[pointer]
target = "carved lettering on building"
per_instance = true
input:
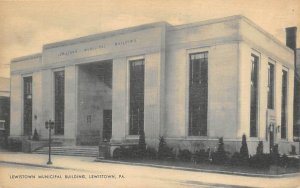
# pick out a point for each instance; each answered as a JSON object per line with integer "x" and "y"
{"x": 97, "y": 47}
{"x": 66, "y": 53}
{"x": 126, "y": 42}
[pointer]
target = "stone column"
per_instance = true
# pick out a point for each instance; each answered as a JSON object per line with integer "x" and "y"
{"x": 70, "y": 124}
{"x": 16, "y": 106}
{"x": 47, "y": 100}
{"x": 119, "y": 98}
{"x": 37, "y": 96}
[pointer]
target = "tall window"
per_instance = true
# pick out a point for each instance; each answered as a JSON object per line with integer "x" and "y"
{"x": 27, "y": 111}
{"x": 59, "y": 85}
{"x": 284, "y": 103}
{"x": 270, "y": 86}
{"x": 254, "y": 96}
{"x": 137, "y": 72}
{"x": 198, "y": 89}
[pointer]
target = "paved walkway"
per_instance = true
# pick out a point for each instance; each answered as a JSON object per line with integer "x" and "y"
{"x": 63, "y": 162}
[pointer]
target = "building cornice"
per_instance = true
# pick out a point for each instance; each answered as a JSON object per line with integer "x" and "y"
{"x": 261, "y": 30}
{"x": 205, "y": 22}
{"x": 26, "y": 58}
{"x": 104, "y": 35}
{"x": 231, "y": 18}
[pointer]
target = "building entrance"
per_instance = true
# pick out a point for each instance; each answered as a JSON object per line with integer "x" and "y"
{"x": 94, "y": 102}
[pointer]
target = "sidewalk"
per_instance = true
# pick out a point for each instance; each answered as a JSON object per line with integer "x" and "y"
{"x": 40, "y": 160}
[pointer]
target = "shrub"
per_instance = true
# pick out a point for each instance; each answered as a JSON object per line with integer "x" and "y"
{"x": 35, "y": 135}
{"x": 274, "y": 154}
{"x": 283, "y": 160}
{"x": 244, "y": 154}
{"x": 260, "y": 148}
{"x": 293, "y": 162}
{"x": 164, "y": 152}
{"x": 14, "y": 144}
{"x": 131, "y": 152}
{"x": 185, "y": 155}
{"x": 167, "y": 154}
{"x": 162, "y": 144}
{"x": 201, "y": 156}
{"x": 221, "y": 146}
{"x": 275, "y": 149}
{"x": 151, "y": 153}
{"x": 117, "y": 153}
{"x": 128, "y": 152}
{"x": 236, "y": 159}
{"x": 142, "y": 145}
{"x": 289, "y": 162}
{"x": 220, "y": 156}
{"x": 293, "y": 152}
{"x": 260, "y": 161}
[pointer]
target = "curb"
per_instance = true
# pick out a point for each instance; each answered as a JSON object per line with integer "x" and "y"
{"x": 34, "y": 165}
{"x": 201, "y": 170}
{"x": 38, "y": 165}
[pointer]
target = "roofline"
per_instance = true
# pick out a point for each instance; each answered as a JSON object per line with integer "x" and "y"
{"x": 105, "y": 34}
{"x": 207, "y": 22}
{"x": 147, "y": 26}
{"x": 134, "y": 28}
{"x": 26, "y": 57}
{"x": 266, "y": 33}
{"x": 234, "y": 17}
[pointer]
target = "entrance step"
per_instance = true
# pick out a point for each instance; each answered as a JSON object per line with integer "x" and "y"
{"x": 83, "y": 151}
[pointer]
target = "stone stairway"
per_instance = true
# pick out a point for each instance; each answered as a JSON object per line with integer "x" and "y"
{"x": 83, "y": 151}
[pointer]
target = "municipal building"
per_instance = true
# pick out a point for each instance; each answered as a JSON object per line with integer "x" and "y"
{"x": 191, "y": 84}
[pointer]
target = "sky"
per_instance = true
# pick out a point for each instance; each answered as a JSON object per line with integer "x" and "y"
{"x": 25, "y": 26}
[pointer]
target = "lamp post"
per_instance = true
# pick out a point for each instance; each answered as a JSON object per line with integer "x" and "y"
{"x": 49, "y": 125}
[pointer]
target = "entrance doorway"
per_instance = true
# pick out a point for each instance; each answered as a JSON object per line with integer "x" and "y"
{"x": 94, "y": 102}
{"x": 107, "y": 125}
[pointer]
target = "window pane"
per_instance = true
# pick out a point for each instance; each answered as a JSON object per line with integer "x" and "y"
{"x": 136, "y": 112}
{"x": 59, "y": 84}
{"x": 270, "y": 86}
{"x": 284, "y": 104}
{"x": 27, "y": 111}
{"x": 254, "y": 98}
{"x": 198, "y": 89}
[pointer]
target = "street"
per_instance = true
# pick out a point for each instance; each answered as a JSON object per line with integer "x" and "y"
{"x": 75, "y": 172}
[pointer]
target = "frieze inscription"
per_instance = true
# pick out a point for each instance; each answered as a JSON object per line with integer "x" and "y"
{"x": 97, "y": 47}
